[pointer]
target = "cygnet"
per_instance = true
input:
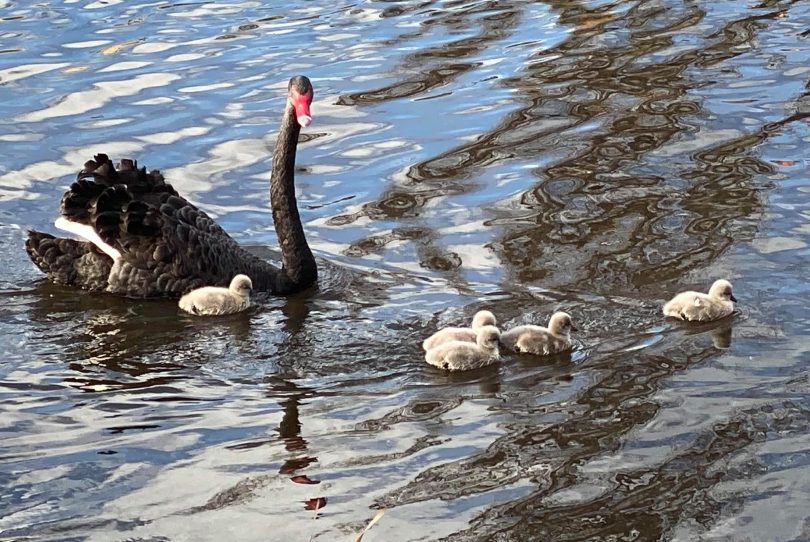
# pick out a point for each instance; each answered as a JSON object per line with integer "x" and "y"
{"x": 463, "y": 356}
{"x": 214, "y": 300}
{"x": 699, "y": 307}
{"x": 540, "y": 340}
{"x": 466, "y": 334}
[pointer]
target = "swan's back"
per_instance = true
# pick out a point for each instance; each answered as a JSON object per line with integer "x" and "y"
{"x": 697, "y": 307}
{"x": 150, "y": 241}
{"x": 449, "y": 334}
{"x": 463, "y": 356}
{"x": 481, "y": 319}
{"x": 542, "y": 343}
{"x": 460, "y": 356}
{"x": 531, "y": 339}
{"x": 212, "y": 300}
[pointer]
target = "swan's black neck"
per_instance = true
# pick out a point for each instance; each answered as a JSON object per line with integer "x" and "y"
{"x": 298, "y": 265}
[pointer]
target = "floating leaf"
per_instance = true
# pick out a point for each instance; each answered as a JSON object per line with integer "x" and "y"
{"x": 117, "y": 47}
{"x": 304, "y": 479}
{"x": 315, "y": 503}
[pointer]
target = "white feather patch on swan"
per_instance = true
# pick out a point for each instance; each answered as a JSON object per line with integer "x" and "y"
{"x": 88, "y": 234}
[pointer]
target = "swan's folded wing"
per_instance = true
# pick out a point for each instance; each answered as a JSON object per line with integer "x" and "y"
{"x": 163, "y": 250}
{"x": 68, "y": 261}
{"x": 99, "y": 175}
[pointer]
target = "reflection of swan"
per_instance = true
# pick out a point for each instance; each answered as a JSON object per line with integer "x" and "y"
{"x": 539, "y": 340}
{"x": 212, "y": 300}
{"x": 142, "y": 239}
{"x": 696, "y": 306}
{"x": 466, "y": 334}
{"x": 462, "y": 356}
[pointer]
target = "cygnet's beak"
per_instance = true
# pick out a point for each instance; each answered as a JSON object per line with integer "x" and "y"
{"x": 731, "y": 297}
{"x": 574, "y": 328}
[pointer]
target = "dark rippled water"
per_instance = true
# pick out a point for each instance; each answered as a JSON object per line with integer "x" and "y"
{"x": 591, "y": 156}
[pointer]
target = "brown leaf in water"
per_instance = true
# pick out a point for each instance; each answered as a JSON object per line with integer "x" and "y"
{"x": 315, "y": 503}
{"x": 786, "y": 163}
{"x": 304, "y": 479}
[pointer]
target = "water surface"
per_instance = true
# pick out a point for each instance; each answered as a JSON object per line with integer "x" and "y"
{"x": 590, "y": 156}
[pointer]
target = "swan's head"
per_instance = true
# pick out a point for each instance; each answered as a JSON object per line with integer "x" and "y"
{"x": 721, "y": 289}
{"x": 488, "y": 337}
{"x": 483, "y": 318}
{"x": 241, "y": 285}
{"x": 300, "y": 94}
{"x": 561, "y": 324}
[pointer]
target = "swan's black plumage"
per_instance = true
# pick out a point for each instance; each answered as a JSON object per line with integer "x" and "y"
{"x": 167, "y": 245}
{"x": 69, "y": 262}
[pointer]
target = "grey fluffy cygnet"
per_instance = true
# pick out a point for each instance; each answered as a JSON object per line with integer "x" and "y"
{"x": 463, "y": 356}
{"x": 214, "y": 300}
{"x": 699, "y": 307}
{"x": 543, "y": 341}
{"x": 466, "y": 334}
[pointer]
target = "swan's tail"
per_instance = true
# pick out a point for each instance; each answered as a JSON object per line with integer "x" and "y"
{"x": 67, "y": 261}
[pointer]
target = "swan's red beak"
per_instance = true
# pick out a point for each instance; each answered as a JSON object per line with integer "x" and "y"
{"x": 301, "y": 103}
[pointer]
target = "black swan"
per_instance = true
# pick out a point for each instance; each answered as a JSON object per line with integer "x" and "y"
{"x": 142, "y": 239}
{"x": 216, "y": 300}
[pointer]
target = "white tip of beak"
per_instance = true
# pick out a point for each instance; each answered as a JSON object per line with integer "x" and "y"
{"x": 304, "y": 120}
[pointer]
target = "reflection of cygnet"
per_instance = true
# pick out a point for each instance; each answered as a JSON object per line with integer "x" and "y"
{"x": 721, "y": 337}
{"x": 699, "y": 307}
{"x": 463, "y": 356}
{"x": 539, "y": 340}
{"x": 466, "y": 334}
{"x": 211, "y": 300}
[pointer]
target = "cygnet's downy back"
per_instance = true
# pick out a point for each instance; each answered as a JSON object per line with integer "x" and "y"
{"x": 466, "y": 334}
{"x": 463, "y": 356}
{"x": 541, "y": 341}
{"x": 699, "y": 307}
{"x": 214, "y": 300}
